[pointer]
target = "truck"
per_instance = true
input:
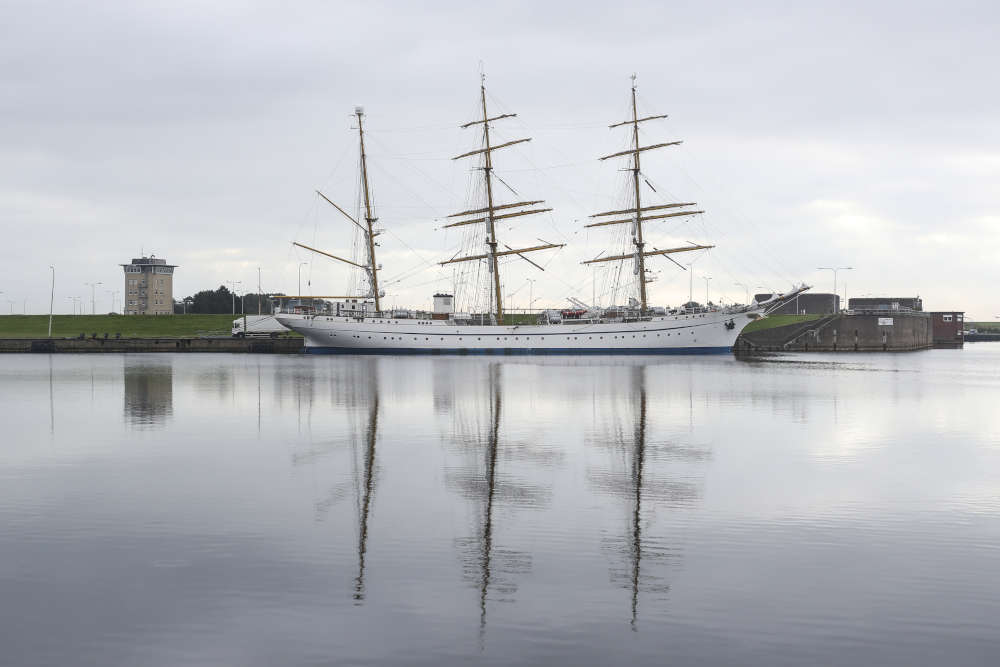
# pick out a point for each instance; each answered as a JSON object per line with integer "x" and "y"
{"x": 258, "y": 326}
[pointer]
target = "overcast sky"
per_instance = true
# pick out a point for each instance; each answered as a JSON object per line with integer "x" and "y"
{"x": 844, "y": 134}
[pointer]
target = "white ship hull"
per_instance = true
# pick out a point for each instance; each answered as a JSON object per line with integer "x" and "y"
{"x": 695, "y": 333}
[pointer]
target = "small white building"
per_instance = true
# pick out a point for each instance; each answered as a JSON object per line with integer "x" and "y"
{"x": 444, "y": 305}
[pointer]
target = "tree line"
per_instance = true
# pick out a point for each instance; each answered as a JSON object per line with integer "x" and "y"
{"x": 222, "y": 300}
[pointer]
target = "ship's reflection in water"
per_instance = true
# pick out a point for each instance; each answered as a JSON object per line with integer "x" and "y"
{"x": 366, "y": 476}
{"x": 148, "y": 391}
{"x": 473, "y": 429}
{"x": 253, "y": 510}
{"x": 624, "y": 432}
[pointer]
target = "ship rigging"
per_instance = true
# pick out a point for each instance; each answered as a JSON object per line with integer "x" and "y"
{"x": 489, "y": 220}
{"x": 637, "y": 212}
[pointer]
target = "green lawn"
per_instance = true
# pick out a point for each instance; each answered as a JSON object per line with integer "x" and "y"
{"x": 140, "y": 326}
{"x": 778, "y": 321}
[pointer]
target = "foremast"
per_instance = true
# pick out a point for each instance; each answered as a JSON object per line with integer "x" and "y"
{"x": 370, "y": 218}
{"x": 490, "y": 218}
{"x": 637, "y": 213}
{"x": 368, "y": 230}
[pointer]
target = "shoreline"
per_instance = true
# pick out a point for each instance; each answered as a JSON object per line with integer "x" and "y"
{"x": 286, "y": 345}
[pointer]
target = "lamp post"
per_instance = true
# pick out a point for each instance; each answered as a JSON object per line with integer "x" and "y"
{"x": 258, "y": 290}
{"x": 706, "y": 279}
{"x": 301, "y": 264}
{"x": 531, "y": 291}
{"x": 835, "y": 269}
{"x": 52, "y": 296}
{"x": 11, "y": 306}
{"x": 234, "y": 283}
{"x": 93, "y": 306}
{"x": 744, "y": 286}
{"x": 690, "y": 282}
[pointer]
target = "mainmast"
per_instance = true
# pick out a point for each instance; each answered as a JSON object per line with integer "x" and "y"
{"x": 368, "y": 229}
{"x": 637, "y": 235}
{"x": 490, "y": 210}
{"x": 639, "y": 254}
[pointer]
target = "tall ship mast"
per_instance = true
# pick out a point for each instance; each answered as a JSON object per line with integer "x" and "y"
{"x": 487, "y": 215}
{"x": 637, "y": 213}
{"x": 368, "y": 230}
{"x": 638, "y": 329}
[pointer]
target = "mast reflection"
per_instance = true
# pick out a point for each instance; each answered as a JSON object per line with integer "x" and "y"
{"x": 638, "y": 459}
{"x": 640, "y": 488}
{"x": 367, "y": 481}
{"x": 488, "y": 567}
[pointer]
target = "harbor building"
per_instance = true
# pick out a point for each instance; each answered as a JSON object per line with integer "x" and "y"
{"x": 891, "y": 303}
{"x": 149, "y": 286}
{"x": 948, "y": 328}
{"x": 808, "y": 303}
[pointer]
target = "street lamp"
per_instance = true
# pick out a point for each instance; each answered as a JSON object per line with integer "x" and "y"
{"x": 234, "y": 283}
{"x": 301, "y": 264}
{"x": 531, "y": 291}
{"x": 93, "y": 307}
{"x": 706, "y": 279}
{"x": 744, "y": 286}
{"x": 52, "y": 296}
{"x": 835, "y": 269}
{"x": 258, "y": 291}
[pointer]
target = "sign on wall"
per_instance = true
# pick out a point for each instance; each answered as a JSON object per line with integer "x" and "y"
{"x": 885, "y": 321}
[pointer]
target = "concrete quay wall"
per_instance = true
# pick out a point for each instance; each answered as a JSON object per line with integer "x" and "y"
{"x": 246, "y": 345}
{"x": 858, "y": 332}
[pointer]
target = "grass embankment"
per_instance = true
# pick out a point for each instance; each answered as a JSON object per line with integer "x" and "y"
{"x": 129, "y": 326}
{"x": 984, "y": 327}
{"x": 778, "y": 321}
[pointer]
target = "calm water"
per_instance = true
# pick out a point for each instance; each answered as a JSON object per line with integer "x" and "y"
{"x": 264, "y": 510}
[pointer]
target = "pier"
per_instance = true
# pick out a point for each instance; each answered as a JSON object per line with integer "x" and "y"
{"x": 205, "y": 344}
{"x": 846, "y": 332}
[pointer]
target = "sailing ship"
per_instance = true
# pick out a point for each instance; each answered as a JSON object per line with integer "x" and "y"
{"x": 633, "y": 329}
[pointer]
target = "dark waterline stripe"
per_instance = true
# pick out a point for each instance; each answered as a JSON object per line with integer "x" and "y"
{"x": 518, "y": 350}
